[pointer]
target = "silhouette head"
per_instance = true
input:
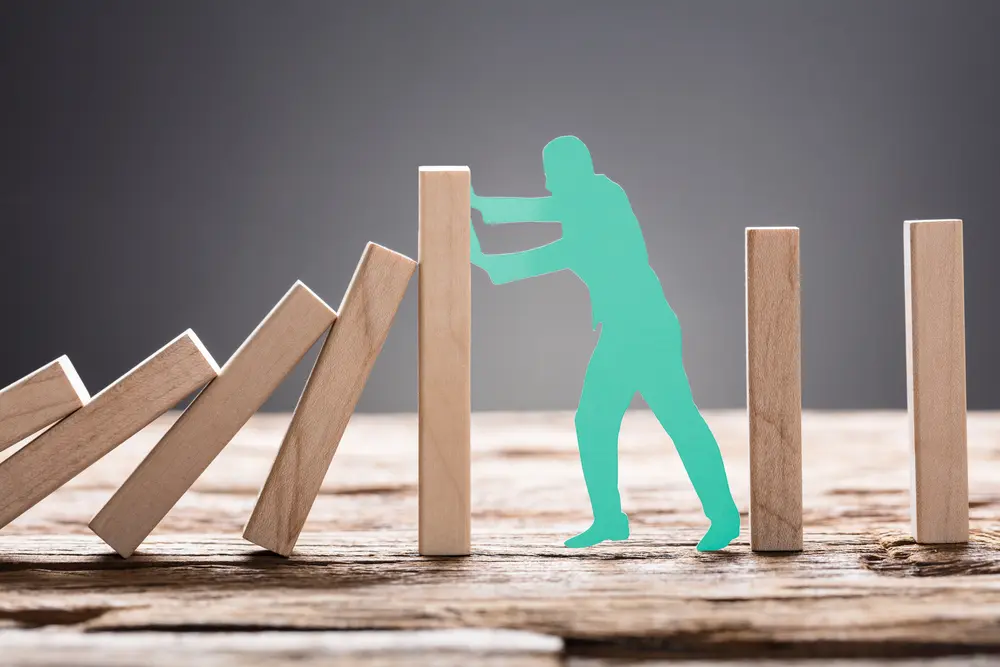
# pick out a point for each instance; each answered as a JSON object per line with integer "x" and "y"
{"x": 567, "y": 164}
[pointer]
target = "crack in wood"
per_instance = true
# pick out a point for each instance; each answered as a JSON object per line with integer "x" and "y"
{"x": 31, "y": 618}
{"x": 715, "y": 646}
{"x": 900, "y": 555}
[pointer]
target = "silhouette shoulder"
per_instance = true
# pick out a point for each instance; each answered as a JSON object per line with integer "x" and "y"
{"x": 611, "y": 189}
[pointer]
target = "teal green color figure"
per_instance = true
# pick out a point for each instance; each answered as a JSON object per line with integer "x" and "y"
{"x": 639, "y": 347}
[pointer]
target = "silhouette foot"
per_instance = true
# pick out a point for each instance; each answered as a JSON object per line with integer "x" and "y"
{"x": 614, "y": 528}
{"x": 722, "y": 531}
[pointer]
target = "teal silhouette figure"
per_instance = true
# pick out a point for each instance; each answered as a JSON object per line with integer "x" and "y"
{"x": 639, "y": 346}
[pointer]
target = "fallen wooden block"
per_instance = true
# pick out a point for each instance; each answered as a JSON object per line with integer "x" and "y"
{"x": 328, "y": 399}
{"x": 935, "y": 380}
{"x": 774, "y": 388}
{"x": 109, "y": 419}
{"x": 444, "y": 360}
{"x": 39, "y": 400}
{"x": 249, "y": 377}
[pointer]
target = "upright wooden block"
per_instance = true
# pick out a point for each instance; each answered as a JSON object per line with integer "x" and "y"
{"x": 39, "y": 400}
{"x": 935, "y": 380}
{"x": 444, "y": 361}
{"x": 774, "y": 388}
{"x": 328, "y": 399}
{"x": 109, "y": 419}
{"x": 249, "y": 377}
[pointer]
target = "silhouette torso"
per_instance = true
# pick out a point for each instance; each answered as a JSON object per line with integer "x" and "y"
{"x": 604, "y": 247}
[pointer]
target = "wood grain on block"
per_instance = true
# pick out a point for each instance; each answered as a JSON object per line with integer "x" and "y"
{"x": 249, "y": 377}
{"x": 109, "y": 419}
{"x": 39, "y": 400}
{"x": 444, "y": 362}
{"x": 935, "y": 378}
{"x": 329, "y": 398}
{"x": 774, "y": 388}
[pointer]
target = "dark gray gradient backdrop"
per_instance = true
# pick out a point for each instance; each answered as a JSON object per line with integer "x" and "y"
{"x": 177, "y": 164}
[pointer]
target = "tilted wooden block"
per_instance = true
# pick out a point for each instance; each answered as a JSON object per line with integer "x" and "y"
{"x": 249, "y": 377}
{"x": 774, "y": 388}
{"x": 109, "y": 419}
{"x": 445, "y": 384}
{"x": 935, "y": 378}
{"x": 328, "y": 399}
{"x": 39, "y": 400}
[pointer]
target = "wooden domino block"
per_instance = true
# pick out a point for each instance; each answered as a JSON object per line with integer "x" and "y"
{"x": 249, "y": 377}
{"x": 774, "y": 388}
{"x": 39, "y": 400}
{"x": 109, "y": 419}
{"x": 935, "y": 379}
{"x": 328, "y": 399}
{"x": 444, "y": 362}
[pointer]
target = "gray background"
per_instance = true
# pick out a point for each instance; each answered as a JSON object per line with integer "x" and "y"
{"x": 166, "y": 165}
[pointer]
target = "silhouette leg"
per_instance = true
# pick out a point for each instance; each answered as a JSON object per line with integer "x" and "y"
{"x": 603, "y": 403}
{"x": 669, "y": 396}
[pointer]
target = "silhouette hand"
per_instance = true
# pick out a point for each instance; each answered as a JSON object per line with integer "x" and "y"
{"x": 476, "y": 254}
{"x": 475, "y": 251}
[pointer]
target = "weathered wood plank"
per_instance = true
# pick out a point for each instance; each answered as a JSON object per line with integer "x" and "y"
{"x": 860, "y": 587}
{"x": 442, "y": 648}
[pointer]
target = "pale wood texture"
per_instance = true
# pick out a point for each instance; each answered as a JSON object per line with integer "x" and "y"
{"x": 935, "y": 379}
{"x": 860, "y": 589}
{"x": 250, "y": 376}
{"x": 445, "y": 325}
{"x": 435, "y": 648}
{"x": 329, "y": 398}
{"x": 774, "y": 388}
{"x": 39, "y": 400}
{"x": 114, "y": 415}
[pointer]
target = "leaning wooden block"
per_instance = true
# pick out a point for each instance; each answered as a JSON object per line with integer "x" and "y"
{"x": 39, "y": 400}
{"x": 109, "y": 419}
{"x": 249, "y": 377}
{"x": 328, "y": 399}
{"x": 445, "y": 404}
{"x": 774, "y": 388}
{"x": 935, "y": 378}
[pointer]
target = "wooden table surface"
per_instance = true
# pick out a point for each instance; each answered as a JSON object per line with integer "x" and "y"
{"x": 356, "y": 589}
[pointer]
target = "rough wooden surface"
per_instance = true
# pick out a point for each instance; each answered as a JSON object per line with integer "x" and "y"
{"x": 861, "y": 589}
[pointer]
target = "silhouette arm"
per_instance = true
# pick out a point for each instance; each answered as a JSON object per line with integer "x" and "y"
{"x": 499, "y": 210}
{"x": 510, "y": 267}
